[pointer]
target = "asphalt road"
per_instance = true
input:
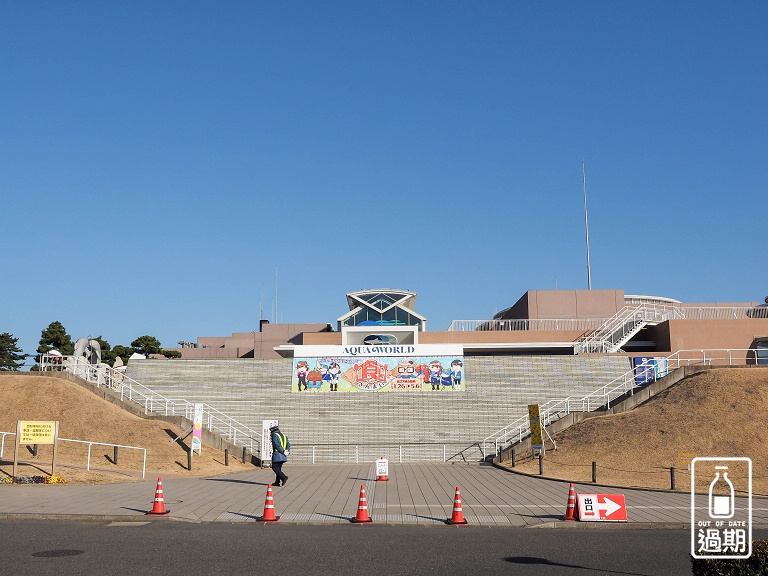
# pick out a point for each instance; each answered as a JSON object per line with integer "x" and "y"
{"x": 165, "y": 548}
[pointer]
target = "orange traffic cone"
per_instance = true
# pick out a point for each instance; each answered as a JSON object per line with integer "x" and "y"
{"x": 269, "y": 508}
{"x": 458, "y": 516}
{"x": 570, "y": 510}
{"x": 158, "y": 509}
{"x": 382, "y": 477}
{"x": 362, "y": 509}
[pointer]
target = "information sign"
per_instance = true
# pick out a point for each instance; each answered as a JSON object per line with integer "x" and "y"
{"x": 602, "y": 508}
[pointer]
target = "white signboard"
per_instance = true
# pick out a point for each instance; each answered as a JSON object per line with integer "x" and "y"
{"x": 266, "y": 439}
{"x": 354, "y": 350}
{"x": 382, "y": 467}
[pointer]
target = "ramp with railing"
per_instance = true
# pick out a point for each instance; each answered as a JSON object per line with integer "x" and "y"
{"x": 603, "y": 397}
{"x": 129, "y": 390}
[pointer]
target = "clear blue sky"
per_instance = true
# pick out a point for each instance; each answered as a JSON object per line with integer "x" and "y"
{"x": 160, "y": 160}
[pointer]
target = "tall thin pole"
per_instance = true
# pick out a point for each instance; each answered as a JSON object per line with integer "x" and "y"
{"x": 276, "y": 316}
{"x": 586, "y": 224}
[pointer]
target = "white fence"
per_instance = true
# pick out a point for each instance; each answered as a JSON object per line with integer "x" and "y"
{"x": 90, "y": 445}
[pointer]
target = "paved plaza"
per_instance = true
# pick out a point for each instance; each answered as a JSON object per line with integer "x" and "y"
{"x": 415, "y": 493}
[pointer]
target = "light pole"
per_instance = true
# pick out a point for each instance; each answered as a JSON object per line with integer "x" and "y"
{"x": 586, "y": 224}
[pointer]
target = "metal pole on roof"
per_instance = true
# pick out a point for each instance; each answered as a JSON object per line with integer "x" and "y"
{"x": 586, "y": 224}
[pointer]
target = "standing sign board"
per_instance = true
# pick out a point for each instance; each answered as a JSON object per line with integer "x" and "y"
{"x": 266, "y": 439}
{"x": 35, "y": 432}
{"x": 197, "y": 430}
{"x": 382, "y": 467}
{"x": 537, "y": 441}
{"x": 602, "y": 508}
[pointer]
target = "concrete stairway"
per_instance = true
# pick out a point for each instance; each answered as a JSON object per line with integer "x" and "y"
{"x": 408, "y": 426}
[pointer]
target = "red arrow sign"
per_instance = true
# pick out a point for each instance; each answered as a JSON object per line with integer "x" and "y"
{"x": 602, "y": 507}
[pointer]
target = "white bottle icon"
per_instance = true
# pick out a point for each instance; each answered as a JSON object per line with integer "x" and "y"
{"x": 721, "y": 505}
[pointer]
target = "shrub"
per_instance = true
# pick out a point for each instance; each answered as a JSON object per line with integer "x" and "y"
{"x": 755, "y": 565}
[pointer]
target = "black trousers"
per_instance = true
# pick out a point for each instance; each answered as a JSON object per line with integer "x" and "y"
{"x": 277, "y": 468}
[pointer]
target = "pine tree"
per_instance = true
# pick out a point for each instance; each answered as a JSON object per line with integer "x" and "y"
{"x": 56, "y": 337}
{"x": 11, "y": 356}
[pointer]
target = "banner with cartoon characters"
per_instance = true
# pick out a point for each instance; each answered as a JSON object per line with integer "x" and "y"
{"x": 378, "y": 368}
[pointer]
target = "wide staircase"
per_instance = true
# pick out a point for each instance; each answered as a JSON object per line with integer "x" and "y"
{"x": 407, "y": 426}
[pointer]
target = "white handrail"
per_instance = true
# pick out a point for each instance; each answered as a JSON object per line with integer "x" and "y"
{"x": 680, "y": 311}
{"x": 529, "y": 324}
{"x": 106, "y": 376}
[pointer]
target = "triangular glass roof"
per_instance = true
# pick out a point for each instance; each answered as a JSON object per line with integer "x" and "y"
{"x": 381, "y": 299}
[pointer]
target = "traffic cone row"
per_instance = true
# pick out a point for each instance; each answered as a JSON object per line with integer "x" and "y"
{"x": 362, "y": 517}
{"x": 158, "y": 508}
{"x": 458, "y": 515}
{"x": 269, "y": 508}
{"x": 570, "y": 510}
{"x": 362, "y": 509}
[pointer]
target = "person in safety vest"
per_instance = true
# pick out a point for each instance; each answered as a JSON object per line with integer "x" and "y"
{"x": 281, "y": 448}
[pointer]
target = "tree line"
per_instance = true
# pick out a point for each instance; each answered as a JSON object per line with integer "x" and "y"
{"x": 55, "y": 337}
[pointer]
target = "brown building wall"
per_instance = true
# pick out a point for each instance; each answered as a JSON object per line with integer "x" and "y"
{"x": 713, "y": 334}
{"x": 252, "y": 344}
{"x": 323, "y": 339}
{"x": 556, "y": 304}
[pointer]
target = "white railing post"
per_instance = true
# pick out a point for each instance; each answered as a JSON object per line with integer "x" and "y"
{"x": 88, "y": 463}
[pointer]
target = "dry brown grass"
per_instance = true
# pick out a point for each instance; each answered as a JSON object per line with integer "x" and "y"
{"x": 84, "y": 416}
{"x": 718, "y": 413}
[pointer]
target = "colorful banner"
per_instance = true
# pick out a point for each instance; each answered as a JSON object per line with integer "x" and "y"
{"x": 197, "y": 430}
{"x": 649, "y": 368}
{"x": 378, "y": 368}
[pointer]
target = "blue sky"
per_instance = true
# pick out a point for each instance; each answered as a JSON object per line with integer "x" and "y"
{"x": 161, "y": 161}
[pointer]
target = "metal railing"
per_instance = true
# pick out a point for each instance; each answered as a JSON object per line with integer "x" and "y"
{"x": 90, "y": 445}
{"x": 681, "y": 311}
{"x": 535, "y": 324}
{"x": 626, "y": 323}
{"x": 626, "y": 383}
{"x": 370, "y": 452}
{"x": 103, "y": 375}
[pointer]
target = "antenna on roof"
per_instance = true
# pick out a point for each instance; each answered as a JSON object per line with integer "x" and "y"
{"x": 586, "y": 224}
